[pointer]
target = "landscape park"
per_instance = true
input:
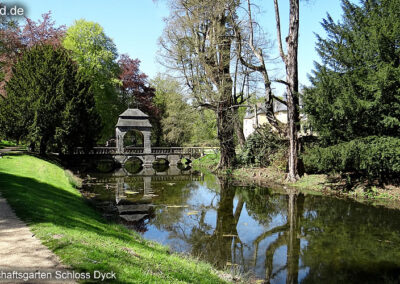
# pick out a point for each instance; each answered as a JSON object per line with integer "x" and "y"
{"x": 226, "y": 158}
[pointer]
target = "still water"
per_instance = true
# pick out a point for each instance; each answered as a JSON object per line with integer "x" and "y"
{"x": 257, "y": 232}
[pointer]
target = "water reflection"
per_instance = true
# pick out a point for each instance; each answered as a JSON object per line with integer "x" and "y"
{"x": 281, "y": 238}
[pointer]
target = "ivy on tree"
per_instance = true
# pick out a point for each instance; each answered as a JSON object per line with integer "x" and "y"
{"x": 49, "y": 104}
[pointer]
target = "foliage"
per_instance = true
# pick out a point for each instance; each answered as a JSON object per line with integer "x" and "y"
{"x": 15, "y": 40}
{"x": 181, "y": 123}
{"x": 54, "y": 108}
{"x": 205, "y": 129}
{"x": 80, "y": 236}
{"x": 209, "y": 161}
{"x": 356, "y": 91}
{"x": 6, "y": 143}
{"x": 263, "y": 147}
{"x": 96, "y": 55}
{"x": 373, "y": 157}
{"x": 177, "y": 115}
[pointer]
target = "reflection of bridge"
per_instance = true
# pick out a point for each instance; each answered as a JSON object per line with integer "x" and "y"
{"x": 156, "y": 178}
{"x": 172, "y": 154}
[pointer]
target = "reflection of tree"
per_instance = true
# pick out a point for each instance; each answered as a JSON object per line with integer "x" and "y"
{"x": 216, "y": 245}
{"x": 350, "y": 242}
{"x": 219, "y": 246}
{"x": 287, "y": 235}
{"x": 262, "y": 204}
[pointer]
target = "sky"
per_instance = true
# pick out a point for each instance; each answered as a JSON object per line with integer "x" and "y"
{"x": 136, "y": 25}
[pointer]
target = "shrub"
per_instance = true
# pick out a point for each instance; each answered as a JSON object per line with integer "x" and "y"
{"x": 372, "y": 157}
{"x": 263, "y": 148}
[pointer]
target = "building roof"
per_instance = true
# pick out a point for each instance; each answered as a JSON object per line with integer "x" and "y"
{"x": 133, "y": 118}
{"x": 133, "y": 123}
{"x": 278, "y": 107}
{"x": 134, "y": 112}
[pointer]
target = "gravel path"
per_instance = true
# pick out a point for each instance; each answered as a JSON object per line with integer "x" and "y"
{"x": 20, "y": 250}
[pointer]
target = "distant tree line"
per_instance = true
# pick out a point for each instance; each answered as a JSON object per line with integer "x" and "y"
{"x": 61, "y": 88}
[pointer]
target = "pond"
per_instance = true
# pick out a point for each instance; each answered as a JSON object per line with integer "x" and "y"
{"x": 257, "y": 232}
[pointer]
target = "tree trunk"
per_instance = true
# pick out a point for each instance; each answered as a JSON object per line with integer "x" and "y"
{"x": 43, "y": 146}
{"x": 225, "y": 136}
{"x": 293, "y": 89}
{"x": 238, "y": 128}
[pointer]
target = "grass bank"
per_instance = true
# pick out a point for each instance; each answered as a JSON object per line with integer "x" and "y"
{"x": 388, "y": 195}
{"x": 42, "y": 196}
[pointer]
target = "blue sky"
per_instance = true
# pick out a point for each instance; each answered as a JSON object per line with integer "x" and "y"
{"x": 136, "y": 25}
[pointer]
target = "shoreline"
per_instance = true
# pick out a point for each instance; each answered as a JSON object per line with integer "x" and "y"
{"x": 314, "y": 184}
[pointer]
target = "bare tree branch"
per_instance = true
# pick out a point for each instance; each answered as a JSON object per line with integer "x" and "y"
{"x": 278, "y": 31}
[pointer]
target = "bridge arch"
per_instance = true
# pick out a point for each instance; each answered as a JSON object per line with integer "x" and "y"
{"x": 133, "y": 165}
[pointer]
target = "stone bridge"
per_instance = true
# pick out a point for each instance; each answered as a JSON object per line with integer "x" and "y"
{"x": 134, "y": 120}
{"x": 171, "y": 154}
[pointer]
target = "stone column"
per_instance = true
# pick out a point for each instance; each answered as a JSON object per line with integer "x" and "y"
{"x": 174, "y": 160}
{"x": 119, "y": 136}
{"x": 146, "y": 142}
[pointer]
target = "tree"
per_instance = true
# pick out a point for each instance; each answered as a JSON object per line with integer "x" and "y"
{"x": 291, "y": 82}
{"x": 135, "y": 91}
{"x": 96, "y": 55}
{"x": 252, "y": 52}
{"x": 15, "y": 40}
{"x": 355, "y": 92}
{"x": 177, "y": 116}
{"x": 197, "y": 43}
{"x": 50, "y": 104}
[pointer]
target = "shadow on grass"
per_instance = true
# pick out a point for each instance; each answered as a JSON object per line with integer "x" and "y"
{"x": 35, "y": 202}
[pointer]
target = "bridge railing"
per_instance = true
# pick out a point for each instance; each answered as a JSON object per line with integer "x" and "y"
{"x": 96, "y": 151}
{"x": 192, "y": 151}
{"x": 133, "y": 150}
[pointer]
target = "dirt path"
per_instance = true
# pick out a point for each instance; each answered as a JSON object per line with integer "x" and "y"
{"x": 20, "y": 250}
{"x": 11, "y": 149}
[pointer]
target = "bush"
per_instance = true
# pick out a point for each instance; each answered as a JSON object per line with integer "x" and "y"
{"x": 372, "y": 157}
{"x": 263, "y": 148}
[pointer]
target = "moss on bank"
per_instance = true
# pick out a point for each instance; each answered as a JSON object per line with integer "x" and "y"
{"x": 43, "y": 197}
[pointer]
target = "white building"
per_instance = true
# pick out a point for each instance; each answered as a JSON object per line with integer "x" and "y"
{"x": 251, "y": 121}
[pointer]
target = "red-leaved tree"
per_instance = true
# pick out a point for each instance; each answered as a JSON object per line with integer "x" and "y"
{"x": 15, "y": 40}
{"x": 136, "y": 92}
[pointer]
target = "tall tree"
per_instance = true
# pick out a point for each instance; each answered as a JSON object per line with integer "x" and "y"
{"x": 54, "y": 109}
{"x": 97, "y": 55}
{"x": 292, "y": 81}
{"x": 197, "y": 42}
{"x": 355, "y": 92}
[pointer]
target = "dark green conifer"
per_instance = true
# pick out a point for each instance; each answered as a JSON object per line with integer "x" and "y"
{"x": 48, "y": 103}
{"x": 356, "y": 90}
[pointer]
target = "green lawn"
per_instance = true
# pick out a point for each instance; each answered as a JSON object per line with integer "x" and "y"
{"x": 42, "y": 196}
